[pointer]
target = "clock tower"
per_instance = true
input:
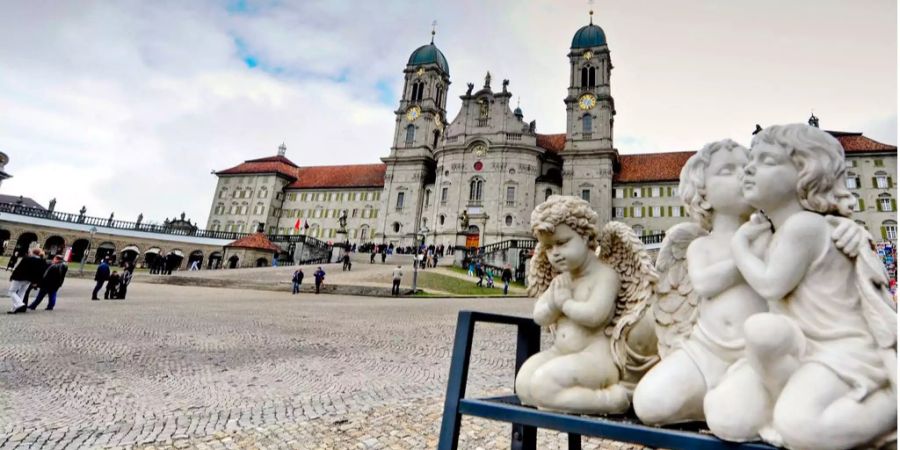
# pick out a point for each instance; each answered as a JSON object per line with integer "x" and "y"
{"x": 589, "y": 156}
{"x": 420, "y": 120}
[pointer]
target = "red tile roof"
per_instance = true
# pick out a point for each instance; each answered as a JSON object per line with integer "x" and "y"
{"x": 857, "y": 143}
{"x": 276, "y": 158}
{"x": 357, "y": 175}
{"x": 651, "y": 167}
{"x": 275, "y": 164}
{"x": 255, "y": 241}
{"x": 552, "y": 142}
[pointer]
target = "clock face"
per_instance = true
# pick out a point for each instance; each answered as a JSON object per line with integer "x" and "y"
{"x": 420, "y": 72}
{"x": 480, "y": 150}
{"x": 413, "y": 113}
{"x": 588, "y": 55}
{"x": 587, "y": 101}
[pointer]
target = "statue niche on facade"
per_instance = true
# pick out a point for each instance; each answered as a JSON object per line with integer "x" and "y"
{"x": 593, "y": 288}
{"x": 464, "y": 222}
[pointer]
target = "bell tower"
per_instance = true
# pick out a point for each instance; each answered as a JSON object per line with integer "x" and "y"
{"x": 420, "y": 120}
{"x": 589, "y": 155}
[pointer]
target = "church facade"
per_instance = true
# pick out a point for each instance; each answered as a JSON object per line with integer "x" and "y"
{"x": 474, "y": 179}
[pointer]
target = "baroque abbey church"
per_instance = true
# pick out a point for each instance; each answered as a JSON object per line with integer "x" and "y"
{"x": 488, "y": 163}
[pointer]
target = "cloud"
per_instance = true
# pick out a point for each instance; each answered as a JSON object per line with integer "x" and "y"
{"x": 127, "y": 106}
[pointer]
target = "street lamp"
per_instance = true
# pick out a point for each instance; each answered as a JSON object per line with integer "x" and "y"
{"x": 87, "y": 250}
{"x": 422, "y": 232}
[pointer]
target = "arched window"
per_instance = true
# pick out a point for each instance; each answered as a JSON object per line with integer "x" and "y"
{"x": 220, "y": 208}
{"x": 509, "y": 221}
{"x": 223, "y": 192}
{"x": 584, "y": 77}
{"x": 476, "y": 190}
{"x": 263, "y": 193}
{"x": 586, "y": 123}
{"x": 400, "y": 198}
{"x": 396, "y": 227}
{"x": 410, "y": 134}
{"x": 592, "y": 77}
{"x": 441, "y": 219}
{"x": 547, "y": 193}
{"x": 249, "y": 193}
{"x": 437, "y": 97}
{"x": 437, "y": 136}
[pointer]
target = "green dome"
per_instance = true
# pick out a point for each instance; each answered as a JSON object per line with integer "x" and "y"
{"x": 429, "y": 54}
{"x": 589, "y": 36}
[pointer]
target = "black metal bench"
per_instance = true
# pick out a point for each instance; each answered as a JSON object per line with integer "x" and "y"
{"x": 525, "y": 420}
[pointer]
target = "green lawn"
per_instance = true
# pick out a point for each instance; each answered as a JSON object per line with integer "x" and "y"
{"x": 460, "y": 270}
{"x": 445, "y": 283}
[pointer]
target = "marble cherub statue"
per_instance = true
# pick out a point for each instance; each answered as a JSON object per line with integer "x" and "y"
{"x": 701, "y": 300}
{"x": 593, "y": 288}
{"x": 820, "y": 366}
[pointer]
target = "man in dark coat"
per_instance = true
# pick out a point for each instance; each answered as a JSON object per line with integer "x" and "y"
{"x": 507, "y": 278}
{"x": 320, "y": 277}
{"x": 53, "y": 279}
{"x": 297, "y": 280}
{"x": 112, "y": 288}
{"x": 29, "y": 271}
{"x": 100, "y": 277}
{"x": 127, "y": 274}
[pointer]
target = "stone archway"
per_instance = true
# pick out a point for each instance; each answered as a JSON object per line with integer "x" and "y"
{"x": 174, "y": 259}
{"x": 214, "y": 261}
{"x": 130, "y": 254}
{"x": 24, "y": 242}
{"x": 196, "y": 255}
{"x": 233, "y": 262}
{"x": 5, "y": 236}
{"x": 54, "y": 245}
{"x": 105, "y": 250}
{"x": 79, "y": 247}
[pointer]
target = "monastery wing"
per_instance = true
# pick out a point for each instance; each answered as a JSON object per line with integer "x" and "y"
{"x": 675, "y": 303}
{"x": 878, "y": 305}
{"x": 622, "y": 250}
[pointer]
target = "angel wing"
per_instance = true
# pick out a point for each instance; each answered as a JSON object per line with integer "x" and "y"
{"x": 878, "y": 306}
{"x": 622, "y": 250}
{"x": 675, "y": 304}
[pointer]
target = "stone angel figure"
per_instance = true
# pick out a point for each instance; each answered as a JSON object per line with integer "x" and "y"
{"x": 702, "y": 301}
{"x": 592, "y": 288}
{"x": 820, "y": 367}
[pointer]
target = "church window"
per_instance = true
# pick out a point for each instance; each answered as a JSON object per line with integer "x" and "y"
{"x": 586, "y": 123}
{"x": 586, "y": 195}
{"x": 592, "y": 77}
{"x": 547, "y": 193}
{"x": 400, "y": 196}
{"x": 396, "y": 227}
{"x": 437, "y": 98}
{"x": 476, "y": 187}
{"x": 509, "y": 221}
{"x": 410, "y": 134}
{"x": 510, "y": 196}
{"x": 437, "y": 136}
{"x": 444, "y": 192}
{"x": 584, "y": 77}
{"x": 427, "y": 197}
{"x": 441, "y": 219}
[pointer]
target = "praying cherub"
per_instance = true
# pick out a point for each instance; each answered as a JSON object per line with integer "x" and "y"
{"x": 593, "y": 299}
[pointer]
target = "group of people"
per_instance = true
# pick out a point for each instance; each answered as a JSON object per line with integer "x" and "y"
{"x": 482, "y": 272}
{"x": 297, "y": 279}
{"x": 34, "y": 271}
{"x": 116, "y": 283}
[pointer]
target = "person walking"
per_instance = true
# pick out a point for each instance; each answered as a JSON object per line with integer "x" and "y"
{"x": 100, "y": 277}
{"x": 397, "y": 275}
{"x": 383, "y": 255}
{"x": 52, "y": 280}
{"x": 346, "y": 261}
{"x": 320, "y": 277}
{"x": 30, "y": 270}
{"x": 479, "y": 272}
{"x": 34, "y": 286}
{"x": 127, "y": 274}
{"x": 372, "y": 257}
{"x": 507, "y": 278}
{"x": 195, "y": 265}
{"x": 297, "y": 279}
{"x": 112, "y": 286}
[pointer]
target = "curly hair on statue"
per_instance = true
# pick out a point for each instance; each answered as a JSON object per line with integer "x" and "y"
{"x": 558, "y": 210}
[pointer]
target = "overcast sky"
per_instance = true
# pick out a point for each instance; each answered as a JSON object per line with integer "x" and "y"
{"x": 127, "y": 106}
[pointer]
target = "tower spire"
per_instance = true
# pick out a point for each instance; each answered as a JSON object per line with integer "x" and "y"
{"x": 433, "y": 26}
{"x": 591, "y": 11}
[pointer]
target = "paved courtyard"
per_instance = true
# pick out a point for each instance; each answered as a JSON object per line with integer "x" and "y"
{"x": 190, "y": 367}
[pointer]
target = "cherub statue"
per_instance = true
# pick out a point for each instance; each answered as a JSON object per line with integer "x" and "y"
{"x": 701, "y": 300}
{"x": 820, "y": 368}
{"x": 592, "y": 288}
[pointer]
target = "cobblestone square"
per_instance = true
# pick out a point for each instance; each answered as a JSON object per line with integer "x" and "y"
{"x": 191, "y": 367}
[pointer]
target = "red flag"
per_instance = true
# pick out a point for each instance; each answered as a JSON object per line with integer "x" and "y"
{"x": 297, "y": 225}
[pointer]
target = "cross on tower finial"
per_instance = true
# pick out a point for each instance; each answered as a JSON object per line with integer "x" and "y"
{"x": 591, "y": 11}
{"x": 282, "y": 149}
{"x": 433, "y": 26}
